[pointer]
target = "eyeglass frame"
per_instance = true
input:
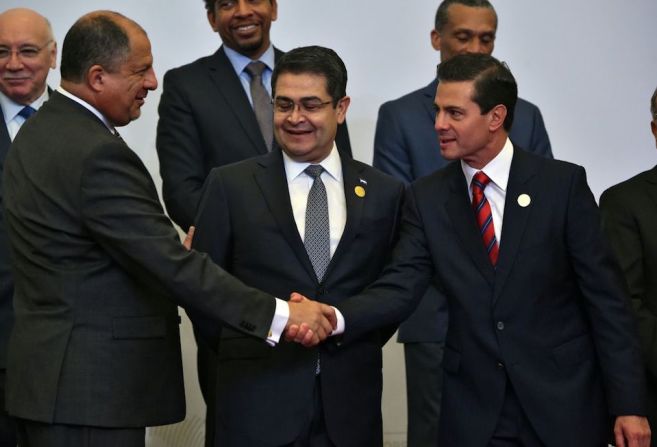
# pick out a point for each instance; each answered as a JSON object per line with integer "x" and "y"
{"x": 302, "y": 105}
{"x": 20, "y": 51}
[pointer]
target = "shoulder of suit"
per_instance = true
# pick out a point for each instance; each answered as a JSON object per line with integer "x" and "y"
{"x": 191, "y": 67}
{"x": 524, "y": 106}
{"x": 412, "y": 99}
{"x": 633, "y": 184}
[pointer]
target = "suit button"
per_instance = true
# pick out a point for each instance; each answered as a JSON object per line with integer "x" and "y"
{"x": 500, "y": 326}
{"x": 500, "y": 365}
{"x": 321, "y": 290}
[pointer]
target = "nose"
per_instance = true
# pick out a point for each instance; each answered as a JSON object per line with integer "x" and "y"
{"x": 14, "y": 62}
{"x": 440, "y": 123}
{"x": 150, "y": 80}
{"x": 295, "y": 116}
{"x": 243, "y": 8}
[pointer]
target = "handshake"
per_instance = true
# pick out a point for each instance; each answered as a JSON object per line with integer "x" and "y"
{"x": 310, "y": 322}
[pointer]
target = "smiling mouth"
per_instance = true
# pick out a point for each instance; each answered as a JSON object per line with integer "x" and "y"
{"x": 246, "y": 28}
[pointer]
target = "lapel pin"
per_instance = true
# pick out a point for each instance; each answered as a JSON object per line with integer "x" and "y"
{"x": 524, "y": 200}
{"x": 360, "y": 191}
{"x": 363, "y": 181}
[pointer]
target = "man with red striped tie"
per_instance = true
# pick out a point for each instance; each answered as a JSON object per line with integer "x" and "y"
{"x": 541, "y": 348}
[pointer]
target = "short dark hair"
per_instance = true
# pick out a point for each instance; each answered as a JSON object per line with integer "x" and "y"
{"x": 653, "y": 105}
{"x": 442, "y": 15}
{"x": 316, "y": 60}
{"x": 493, "y": 82}
{"x": 95, "y": 39}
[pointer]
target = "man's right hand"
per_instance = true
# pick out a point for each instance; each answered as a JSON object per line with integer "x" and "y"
{"x": 310, "y": 322}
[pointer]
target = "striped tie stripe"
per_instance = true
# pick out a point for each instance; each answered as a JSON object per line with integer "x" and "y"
{"x": 484, "y": 216}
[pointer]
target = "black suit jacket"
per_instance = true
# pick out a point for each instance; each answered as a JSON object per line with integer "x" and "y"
{"x": 406, "y": 147}
{"x": 552, "y": 318}
{"x": 98, "y": 271}
{"x": 6, "y": 283}
{"x": 245, "y": 222}
{"x": 206, "y": 121}
{"x": 629, "y": 214}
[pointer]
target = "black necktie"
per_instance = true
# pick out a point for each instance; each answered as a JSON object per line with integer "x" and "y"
{"x": 261, "y": 101}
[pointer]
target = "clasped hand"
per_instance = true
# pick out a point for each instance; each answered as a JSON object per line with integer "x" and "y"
{"x": 310, "y": 322}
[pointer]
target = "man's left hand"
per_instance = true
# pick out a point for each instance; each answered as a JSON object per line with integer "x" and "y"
{"x": 632, "y": 431}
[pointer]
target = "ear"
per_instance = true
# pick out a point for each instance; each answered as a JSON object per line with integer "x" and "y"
{"x": 53, "y": 56}
{"x": 497, "y": 116}
{"x": 212, "y": 21}
{"x": 341, "y": 109}
{"x": 96, "y": 78}
{"x": 435, "y": 40}
{"x": 653, "y": 127}
{"x": 274, "y": 10}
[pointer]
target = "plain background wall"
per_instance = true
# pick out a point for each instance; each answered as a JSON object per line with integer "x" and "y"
{"x": 589, "y": 65}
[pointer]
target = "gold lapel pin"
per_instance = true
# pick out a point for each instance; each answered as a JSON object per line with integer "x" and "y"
{"x": 360, "y": 191}
{"x": 524, "y": 200}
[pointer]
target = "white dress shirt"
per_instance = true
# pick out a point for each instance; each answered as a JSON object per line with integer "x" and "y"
{"x": 299, "y": 184}
{"x": 498, "y": 171}
{"x": 10, "y": 110}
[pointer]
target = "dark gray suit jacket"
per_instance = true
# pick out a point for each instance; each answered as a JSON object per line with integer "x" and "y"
{"x": 245, "y": 222}
{"x": 629, "y": 214}
{"x": 406, "y": 147}
{"x": 6, "y": 283}
{"x": 98, "y": 272}
{"x": 206, "y": 121}
{"x": 552, "y": 318}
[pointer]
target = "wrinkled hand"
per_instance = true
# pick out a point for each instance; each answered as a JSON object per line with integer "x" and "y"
{"x": 632, "y": 431}
{"x": 310, "y": 322}
{"x": 189, "y": 237}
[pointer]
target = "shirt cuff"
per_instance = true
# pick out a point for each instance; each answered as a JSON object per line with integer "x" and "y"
{"x": 340, "y": 329}
{"x": 281, "y": 315}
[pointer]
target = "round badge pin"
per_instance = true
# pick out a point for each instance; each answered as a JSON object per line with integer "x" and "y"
{"x": 360, "y": 191}
{"x": 524, "y": 200}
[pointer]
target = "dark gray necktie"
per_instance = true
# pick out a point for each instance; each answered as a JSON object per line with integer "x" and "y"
{"x": 261, "y": 101}
{"x": 27, "y": 112}
{"x": 317, "y": 234}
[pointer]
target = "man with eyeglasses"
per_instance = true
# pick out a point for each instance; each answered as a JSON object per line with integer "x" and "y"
{"x": 27, "y": 53}
{"x": 306, "y": 218}
{"x": 212, "y": 112}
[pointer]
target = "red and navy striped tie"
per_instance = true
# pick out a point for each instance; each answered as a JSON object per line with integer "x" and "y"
{"x": 484, "y": 216}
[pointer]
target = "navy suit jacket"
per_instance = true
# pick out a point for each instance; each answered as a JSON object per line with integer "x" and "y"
{"x": 406, "y": 147}
{"x": 552, "y": 318}
{"x": 264, "y": 395}
{"x": 206, "y": 121}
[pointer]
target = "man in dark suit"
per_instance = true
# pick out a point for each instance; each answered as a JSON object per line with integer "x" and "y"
{"x": 255, "y": 220}
{"x": 541, "y": 348}
{"x": 27, "y": 53}
{"x": 406, "y": 147}
{"x": 207, "y": 116}
{"x": 629, "y": 213}
{"x": 94, "y": 355}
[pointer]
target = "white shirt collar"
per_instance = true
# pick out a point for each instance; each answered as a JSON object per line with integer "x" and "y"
{"x": 239, "y": 61}
{"x": 10, "y": 108}
{"x": 87, "y": 106}
{"x": 331, "y": 164}
{"x": 497, "y": 169}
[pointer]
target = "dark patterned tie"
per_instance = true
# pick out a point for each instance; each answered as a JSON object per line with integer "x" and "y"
{"x": 261, "y": 101}
{"x": 316, "y": 236}
{"x": 27, "y": 112}
{"x": 484, "y": 215}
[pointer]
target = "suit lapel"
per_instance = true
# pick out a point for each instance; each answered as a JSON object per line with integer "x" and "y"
{"x": 4, "y": 138}
{"x": 351, "y": 173}
{"x": 521, "y": 176}
{"x": 429, "y": 95}
{"x": 272, "y": 181}
{"x": 459, "y": 210}
{"x": 230, "y": 87}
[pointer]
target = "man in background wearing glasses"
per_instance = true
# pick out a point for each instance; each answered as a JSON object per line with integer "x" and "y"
{"x": 312, "y": 220}
{"x": 27, "y": 53}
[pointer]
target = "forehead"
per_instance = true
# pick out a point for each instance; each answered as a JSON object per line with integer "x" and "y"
{"x": 454, "y": 93}
{"x": 472, "y": 18}
{"x": 20, "y": 30}
{"x": 140, "y": 47}
{"x": 301, "y": 85}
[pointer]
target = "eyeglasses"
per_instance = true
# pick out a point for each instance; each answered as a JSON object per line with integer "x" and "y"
{"x": 306, "y": 105}
{"x": 25, "y": 52}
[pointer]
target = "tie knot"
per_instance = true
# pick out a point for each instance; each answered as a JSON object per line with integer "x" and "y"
{"x": 255, "y": 69}
{"x": 27, "y": 112}
{"x": 480, "y": 180}
{"x": 314, "y": 171}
